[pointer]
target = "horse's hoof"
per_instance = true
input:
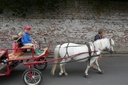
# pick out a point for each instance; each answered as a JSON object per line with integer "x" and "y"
{"x": 66, "y": 74}
{"x": 60, "y": 74}
{"x": 86, "y": 76}
{"x": 100, "y": 72}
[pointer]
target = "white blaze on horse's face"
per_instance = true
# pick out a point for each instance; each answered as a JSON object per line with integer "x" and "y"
{"x": 110, "y": 47}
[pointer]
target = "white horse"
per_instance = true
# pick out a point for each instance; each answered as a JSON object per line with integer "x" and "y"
{"x": 81, "y": 53}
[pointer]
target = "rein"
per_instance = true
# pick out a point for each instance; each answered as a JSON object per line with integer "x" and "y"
{"x": 52, "y": 60}
{"x": 74, "y": 60}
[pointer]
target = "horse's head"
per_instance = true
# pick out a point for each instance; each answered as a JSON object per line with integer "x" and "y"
{"x": 104, "y": 44}
{"x": 110, "y": 45}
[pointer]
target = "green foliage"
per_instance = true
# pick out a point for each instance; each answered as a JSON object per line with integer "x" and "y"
{"x": 99, "y": 5}
{"x": 19, "y": 7}
{"x": 23, "y": 7}
{"x": 50, "y": 5}
{"x": 1, "y": 7}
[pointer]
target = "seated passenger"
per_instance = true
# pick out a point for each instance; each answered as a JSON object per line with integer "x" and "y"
{"x": 16, "y": 52}
{"x": 19, "y": 39}
{"x": 26, "y": 40}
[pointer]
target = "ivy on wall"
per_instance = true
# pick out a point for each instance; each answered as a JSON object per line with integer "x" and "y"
{"x": 22, "y": 7}
{"x": 99, "y": 5}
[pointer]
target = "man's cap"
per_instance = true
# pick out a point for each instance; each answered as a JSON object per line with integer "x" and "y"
{"x": 26, "y": 27}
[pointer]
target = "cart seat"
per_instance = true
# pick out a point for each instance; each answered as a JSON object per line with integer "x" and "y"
{"x": 16, "y": 55}
{"x": 27, "y": 47}
{"x": 28, "y": 55}
{"x": 2, "y": 52}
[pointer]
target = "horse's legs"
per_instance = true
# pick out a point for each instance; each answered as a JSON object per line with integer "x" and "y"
{"x": 62, "y": 67}
{"x": 98, "y": 68}
{"x": 94, "y": 66}
{"x": 86, "y": 71}
{"x": 61, "y": 70}
{"x": 90, "y": 63}
{"x": 65, "y": 73}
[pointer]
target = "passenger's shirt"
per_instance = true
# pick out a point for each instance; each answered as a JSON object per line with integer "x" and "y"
{"x": 26, "y": 38}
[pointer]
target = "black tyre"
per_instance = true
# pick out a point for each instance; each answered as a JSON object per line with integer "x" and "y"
{"x": 32, "y": 77}
{"x": 41, "y": 66}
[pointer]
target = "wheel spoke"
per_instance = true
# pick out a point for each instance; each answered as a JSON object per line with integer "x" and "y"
{"x": 37, "y": 77}
{"x": 28, "y": 79}
{"x": 33, "y": 73}
{"x": 34, "y": 81}
{"x": 28, "y": 76}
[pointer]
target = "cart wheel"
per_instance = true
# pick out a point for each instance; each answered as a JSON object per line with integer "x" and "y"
{"x": 32, "y": 77}
{"x": 41, "y": 66}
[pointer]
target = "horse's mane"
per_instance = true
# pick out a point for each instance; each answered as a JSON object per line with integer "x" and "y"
{"x": 101, "y": 43}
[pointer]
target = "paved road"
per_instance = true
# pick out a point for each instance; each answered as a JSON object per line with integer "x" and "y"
{"x": 115, "y": 73}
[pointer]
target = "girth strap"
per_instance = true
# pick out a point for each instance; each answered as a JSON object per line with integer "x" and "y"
{"x": 89, "y": 51}
{"x": 67, "y": 50}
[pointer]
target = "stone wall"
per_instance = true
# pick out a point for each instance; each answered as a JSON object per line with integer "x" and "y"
{"x": 68, "y": 25}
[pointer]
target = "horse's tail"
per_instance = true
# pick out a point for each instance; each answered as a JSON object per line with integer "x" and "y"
{"x": 56, "y": 54}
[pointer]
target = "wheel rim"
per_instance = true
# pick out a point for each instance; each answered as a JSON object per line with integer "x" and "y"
{"x": 35, "y": 78}
{"x": 41, "y": 66}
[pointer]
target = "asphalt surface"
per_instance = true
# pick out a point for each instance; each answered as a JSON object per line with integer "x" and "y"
{"x": 115, "y": 73}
